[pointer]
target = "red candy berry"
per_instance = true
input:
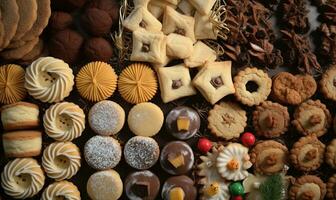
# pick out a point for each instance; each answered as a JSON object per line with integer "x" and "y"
{"x": 248, "y": 139}
{"x": 237, "y": 198}
{"x": 204, "y": 145}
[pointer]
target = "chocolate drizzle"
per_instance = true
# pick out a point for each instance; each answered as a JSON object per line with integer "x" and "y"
{"x": 177, "y": 84}
{"x": 217, "y": 82}
{"x": 145, "y": 48}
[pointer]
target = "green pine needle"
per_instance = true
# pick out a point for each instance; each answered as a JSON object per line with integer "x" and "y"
{"x": 272, "y": 188}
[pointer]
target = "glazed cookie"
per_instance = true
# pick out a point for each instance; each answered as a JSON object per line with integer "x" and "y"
{"x": 61, "y": 160}
{"x": 328, "y": 83}
{"x": 22, "y": 178}
{"x": 227, "y": 120}
{"x": 96, "y": 81}
{"x": 22, "y": 143}
{"x": 269, "y": 157}
{"x": 102, "y": 152}
{"x": 20, "y": 115}
{"x": 11, "y": 83}
{"x": 49, "y": 79}
{"x": 137, "y": 83}
{"x": 307, "y": 154}
{"x": 270, "y": 119}
{"x": 331, "y": 187}
{"x": 179, "y": 187}
{"x": 252, "y": 86}
{"x": 61, "y": 189}
{"x": 106, "y": 118}
{"x": 312, "y": 117}
{"x": 145, "y": 119}
{"x": 64, "y": 121}
{"x": 214, "y": 81}
{"x": 331, "y": 154}
{"x": 141, "y": 152}
{"x": 308, "y": 187}
{"x": 96, "y": 185}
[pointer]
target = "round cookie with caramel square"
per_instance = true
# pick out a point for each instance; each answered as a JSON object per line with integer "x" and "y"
{"x": 331, "y": 187}
{"x": 307, "y": 154}
{"x": 269, "y": 157}
{"x": 179, "y": 187}
{"x": 331, "y": 154}
{"x": 307, "y": 187}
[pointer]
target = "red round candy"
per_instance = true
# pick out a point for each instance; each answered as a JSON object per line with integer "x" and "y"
{"x": 237, "y": 198}
{"x": 204, "y": 145}
{"x": 248, "y": 139}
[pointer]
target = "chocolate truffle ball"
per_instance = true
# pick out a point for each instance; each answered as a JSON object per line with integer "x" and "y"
{"x": 98, "y": 49}
{"x": 109, "y": 6}
{"x": 179, "y": 184}
{"x": 97, "y": 22}
{"x": 66, "y": 45}
{"x": 60, "y": 20}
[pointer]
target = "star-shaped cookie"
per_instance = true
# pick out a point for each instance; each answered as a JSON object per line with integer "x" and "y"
{"x": 141, "y": 18}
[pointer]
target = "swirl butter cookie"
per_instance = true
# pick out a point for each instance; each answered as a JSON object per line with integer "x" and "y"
{"x": 22, "y": 178}
{"x": 64, "y": 121}
{"x": 61, "y": 160}
{"x": 49, "y": 79}
{"x": 61, "y": 190}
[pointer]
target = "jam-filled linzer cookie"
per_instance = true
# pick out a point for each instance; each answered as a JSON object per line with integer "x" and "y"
{"x": 331, "y": 187}
{"x": 307, "y": 154}
{"x": 12, "y": 88}
{"x": 64, "y": 121}
{"x": 49, "y": 79}
{"x": 269, "y": 157}
{"x": 308, "y": 187}
{"x": 179, "y": 187}
{"x": 331, "y": 154}
{"x": 312, "y": 117}
{"x": 61, "y": 190}
{"x": 270, "y": 119}
{"x": 328, "y": 83}
{"x": 22, "y": 178}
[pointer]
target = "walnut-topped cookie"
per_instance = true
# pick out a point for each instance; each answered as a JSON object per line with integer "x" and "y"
{"x": 308, "y": 187}
{"x": 307, "y": 153}
{"x": 269, "y": 157}
{"x": 331, "y": 154}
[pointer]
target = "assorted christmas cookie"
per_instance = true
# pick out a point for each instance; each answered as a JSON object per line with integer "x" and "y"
{"x": 22, "y": 143}
{"x": 331, "y": 187}
{"x": 96, "y": 81}
{"x": 177, "y": 158}
{"x": 270, "y": 119}
{"x": 106, "y": 118}
{"x": 183, "y": 122}
{"x": 102, "y": 152}
{"x": 179, "y": 46}
{"x": 61, "y": 189}
{"x": 49, "y": 79}
{"x": 137, "y": 83}
{"x": 61, "y": 160}
{"x": 64, "y": 121}
{"x": 12, "y": 78}
{"x": 141, "y": 152}
{"x": 328, "y": 83}
{"x": 22, "y": 178}
{"x": 269, "y": 157}
{"x": 97, "y": 189}
{"x": 227, "y": 120}
{"x": 330, "y": 155}
{"x": 142, "y": 185}
{"x": 312, "y": 117}
{"x": 308, "y": 187}
{"x": 179, "y": 187}
{"x": 20, "y": 115}
{"x": 307, "y": 154}
{"x": 252, "y": 86}
{"x": 201, "y": 54}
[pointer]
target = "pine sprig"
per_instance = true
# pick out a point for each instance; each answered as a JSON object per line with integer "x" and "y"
{"x": 272, "y": 188}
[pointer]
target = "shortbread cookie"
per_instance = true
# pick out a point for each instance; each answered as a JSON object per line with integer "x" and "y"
{"x": 312, "y": 117}
{"x": 20, "y": 115}
{"x": 214, "y": 81}
{"x": 200, "y": 55}
{"x": 186, "y": 7}
{"x": 106, "y": 118}
{"x": 61, "y": 160}
{"x": 175, "y": 83}
{"x": 49, "y": 79}
{"x": 331, "y": 187}
{"x": 10, "y": 19}
{"x": 204, "y": 7}
{"x": 328, "y": 83}
{"x": 12, "y": 83}
{"x": 227, "y": 120}
{"x": 308, "y": 187}
{"x": 249, "y": 95}
{"x": 34, "y": 53}
{"x": 179, "y": 46}
{"x": 331, "y": 154}
{"x": 140, "y": 17}
{"x": 145, "y": 119}
{"x": 157, "y": 7}
{"x": 269, "y": 157}
{"x": 205, "y": 27}
{"x": 96, "y": 185}
{"x": 19, "y": 52}
{"x": 22, "y": 178}
{"x": 61, "y": 189}
{"x": 64, "y": 121}
{"x": 22, "y": 143}
{"x": 307, "y": 154}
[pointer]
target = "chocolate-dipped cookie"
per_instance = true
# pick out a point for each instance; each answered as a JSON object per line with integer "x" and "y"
{"x": 183, "y": 122}
{"x": 179, "y": 187}
{"x": 177, "y": 158}
{"x": 142, "y": 185}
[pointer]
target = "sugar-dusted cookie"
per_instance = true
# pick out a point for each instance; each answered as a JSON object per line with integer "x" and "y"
{"x": 330, "y": 154}
{"x": 12, "y": 83}
{"x": 61, "y": 189}
{"x": 214, "y": 81}
{"x": 308, "y": 187}
{"x": 328, "y": 83}
{"x": 179, "y": 46}
{"x": 175, "y": 82}
{"x": 200, "y": 55}
{"x": 140, "y": 17}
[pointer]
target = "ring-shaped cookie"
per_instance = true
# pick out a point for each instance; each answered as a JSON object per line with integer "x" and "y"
{"x": 61, "y": 190}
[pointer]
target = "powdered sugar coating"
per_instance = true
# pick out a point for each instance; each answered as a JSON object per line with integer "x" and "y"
{"x": 141, "y": 152}
{"x": 106, "y": 118}
{"x": 102, "y": 152}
